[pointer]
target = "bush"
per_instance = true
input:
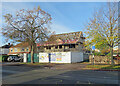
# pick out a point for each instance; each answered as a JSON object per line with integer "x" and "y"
{"x": 109, "y": 54}
{"x": 0, "y": 58}
{"x": 97, "y": 53}
{"x": 4, "y": 58}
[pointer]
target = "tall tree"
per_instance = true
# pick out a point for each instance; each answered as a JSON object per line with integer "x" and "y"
{"x": 102, "y": 29}
{"x": 28, "y": 26}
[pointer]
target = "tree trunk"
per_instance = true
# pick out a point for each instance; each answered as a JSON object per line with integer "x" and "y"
{"x": 111, "y": 51}
{"x": 32, "y": 54}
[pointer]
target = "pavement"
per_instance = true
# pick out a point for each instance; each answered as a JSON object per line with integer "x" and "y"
{"x": 67, "y": 74}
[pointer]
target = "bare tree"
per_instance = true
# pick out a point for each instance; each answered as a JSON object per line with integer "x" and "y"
{"x": 102, "y": 29}
{"x": 28, "y": 26}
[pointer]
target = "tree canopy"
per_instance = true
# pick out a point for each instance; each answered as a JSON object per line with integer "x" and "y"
{"x": 28, "y": 26}
{"x": 102, "y": 28}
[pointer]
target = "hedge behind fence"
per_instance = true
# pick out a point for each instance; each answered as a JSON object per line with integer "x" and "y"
{"x": 102, "y": 60}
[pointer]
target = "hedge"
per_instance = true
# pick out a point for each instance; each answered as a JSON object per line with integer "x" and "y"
{"x": 3, "y": 58}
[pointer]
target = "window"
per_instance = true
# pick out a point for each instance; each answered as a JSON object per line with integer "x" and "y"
{"x": 15, "y": 49}
{"x": 27, "y": 49}
{"x": 60, "y": 46}
{"x": 48, "y": 47}
{"x": 66, "y": 46}
{"x": 56, "y": 47}
{"x": 22, "y": 49}
{"x": 11, "y": 49}
{"x": 72, "y": 46}
{"x": 1, "y": 49}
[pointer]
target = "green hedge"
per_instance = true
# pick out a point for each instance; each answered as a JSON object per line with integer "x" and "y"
{"x": 3, "y": 58}
{"x": 0, "y": 58}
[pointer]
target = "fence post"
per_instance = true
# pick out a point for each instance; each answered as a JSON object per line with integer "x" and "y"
{"x": 25, "y": 57}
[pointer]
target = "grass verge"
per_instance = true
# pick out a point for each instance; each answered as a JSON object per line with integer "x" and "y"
{"x": 108, "y": 67}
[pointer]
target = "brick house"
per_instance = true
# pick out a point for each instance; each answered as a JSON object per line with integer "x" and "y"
{"x": 63, "y": 43}
{"x": 4, "y": 50}
{"x": 19, "y": 49}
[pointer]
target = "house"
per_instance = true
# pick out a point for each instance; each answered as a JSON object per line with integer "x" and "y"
{"x": 61, "y": 48}
{"x": 63, "y": 43}
{"x": 4, "y": 50}
{"x": 19, "y": 49}
{"x": 116, "y": 51}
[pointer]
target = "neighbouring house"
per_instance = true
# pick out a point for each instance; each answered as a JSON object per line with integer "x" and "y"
{"x": 19, "y": 49}
{"x": 116, "y": 51}
{"x": 4, "y": 50}
{"x": 63, "y": 43}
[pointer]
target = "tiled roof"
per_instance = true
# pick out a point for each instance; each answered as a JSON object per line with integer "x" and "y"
{"x": 23, "y": 44}
{"x": 7, "y": 46}
{"x": 58, "y": 42}
{"x": 66, "y": 38}
{"x": 17, "y": 53}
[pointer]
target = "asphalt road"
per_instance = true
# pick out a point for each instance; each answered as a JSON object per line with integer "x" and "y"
{"x": 22, "y": 74}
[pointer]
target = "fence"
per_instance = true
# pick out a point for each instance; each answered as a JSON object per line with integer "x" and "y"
{"x": 56, "y": 57}
{"x": 102, "y": 60}
{"x": 27, "y": 57}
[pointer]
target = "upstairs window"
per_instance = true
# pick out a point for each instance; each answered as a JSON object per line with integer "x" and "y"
{"x": 60, "y": 46}
{"x": 15, "y": 49}
{"x": 27, "y": 49}
{"x": 48, "y": 47}
{"x": 11, "y": 50}
{"x": 72, "y": 46}
{"x": 22, "y": 49}
{"x": 56, "y": 47}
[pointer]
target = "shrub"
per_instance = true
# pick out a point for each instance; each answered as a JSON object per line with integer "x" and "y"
{"x": 97, "y": 53}
{"x": 4, "y": 58}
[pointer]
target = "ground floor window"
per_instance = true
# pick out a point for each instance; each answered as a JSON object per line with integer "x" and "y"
{"x": 48, "y": 47}
{"x": 60, "y": 46}
{"x": 72, "y": 46}
{"x": 56, "y": 47}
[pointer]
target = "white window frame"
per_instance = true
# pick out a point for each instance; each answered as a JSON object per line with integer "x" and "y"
{"x": 11, "y": 50}
{"x": 15, "y": 49}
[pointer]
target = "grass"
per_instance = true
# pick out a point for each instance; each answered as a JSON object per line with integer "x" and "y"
{"x": 0, "y": 58}
{"x": 115, "y": 67}
{"x": 97, "y": 66}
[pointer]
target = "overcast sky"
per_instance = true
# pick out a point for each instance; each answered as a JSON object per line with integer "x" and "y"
{"x": 66, "y": 16}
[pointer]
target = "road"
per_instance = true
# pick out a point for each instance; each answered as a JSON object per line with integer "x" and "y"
{"x": 22, "y": 74}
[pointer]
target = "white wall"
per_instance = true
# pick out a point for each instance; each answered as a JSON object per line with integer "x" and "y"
{"x": 61, "y": 57}
{"x": 4, "y": 50}
{"x": 43, "y": 57}
{"x": 24, "y": 57}
{"x": 76, "y": 57}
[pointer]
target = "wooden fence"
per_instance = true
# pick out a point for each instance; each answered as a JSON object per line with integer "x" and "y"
{"x": 102, "y": 60}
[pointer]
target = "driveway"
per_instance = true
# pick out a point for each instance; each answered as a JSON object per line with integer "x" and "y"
{"x": 23, "y": 74}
